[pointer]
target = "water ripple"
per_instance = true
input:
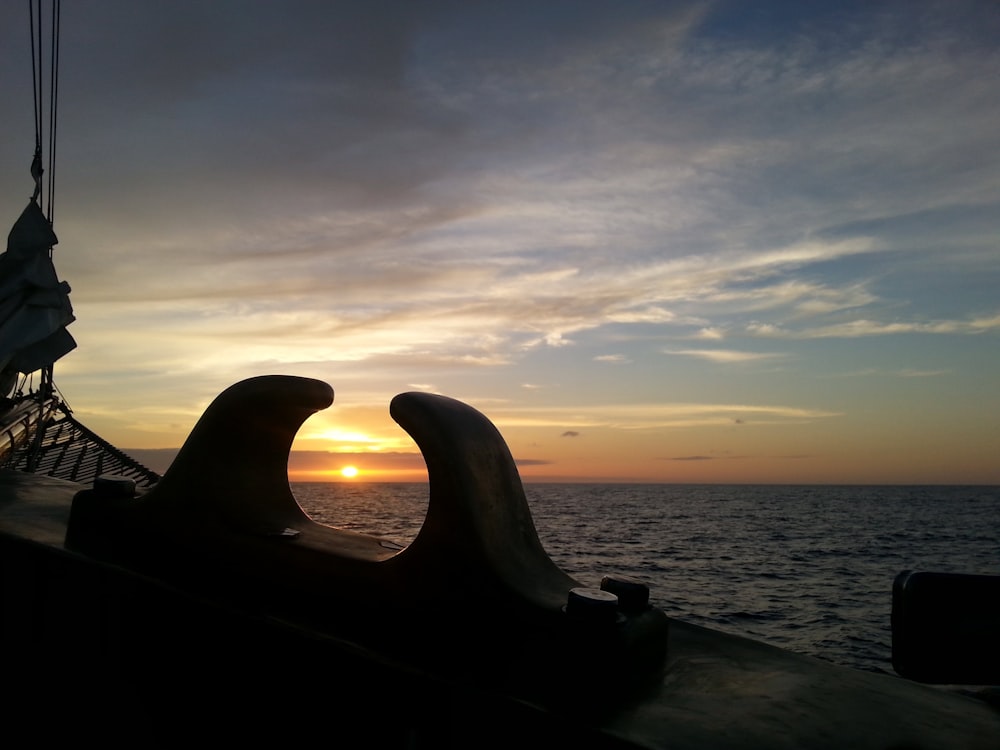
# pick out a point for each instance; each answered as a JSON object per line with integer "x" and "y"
{"x": 807, "y": 568}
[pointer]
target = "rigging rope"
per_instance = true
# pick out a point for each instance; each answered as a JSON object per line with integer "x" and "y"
{"x": 53, "y": 104}
{"x": 38, "y": 93}
{"x": 36, "y": 78}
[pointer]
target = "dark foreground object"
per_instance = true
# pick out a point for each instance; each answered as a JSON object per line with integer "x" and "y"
{"x": 214, "y": 605}
{"x": 946, "y": 628}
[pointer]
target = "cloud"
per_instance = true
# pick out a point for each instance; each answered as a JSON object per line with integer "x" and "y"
{"x": 863, "y": 327}
{"x": 712, "y": 334}
{"x": 720, "y": 458}
{"x": 570, "y": 434}
{"x": 724, "y": 355}
{"x": 902, "y": 373}
{"x": 922, "y": 373}
{"x": 653, "y": 415}
{"x": 532, "y": 462}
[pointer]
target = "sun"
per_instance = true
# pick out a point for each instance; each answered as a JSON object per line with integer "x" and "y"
{"x": 349, "y": 472}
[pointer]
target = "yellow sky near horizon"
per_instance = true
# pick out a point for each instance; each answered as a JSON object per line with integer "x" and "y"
{"x": 678, "y": 443}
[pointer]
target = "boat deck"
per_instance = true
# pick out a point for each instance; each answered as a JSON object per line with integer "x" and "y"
{"x": 113, "y": 646}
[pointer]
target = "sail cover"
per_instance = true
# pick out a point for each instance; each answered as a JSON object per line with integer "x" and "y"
{"x": 34, "y": 304}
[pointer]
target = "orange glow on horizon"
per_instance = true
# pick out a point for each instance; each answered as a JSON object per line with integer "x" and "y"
{"x": 365, "y": 474}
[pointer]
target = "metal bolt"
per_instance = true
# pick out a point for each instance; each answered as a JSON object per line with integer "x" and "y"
{"x": 633, "y": 594}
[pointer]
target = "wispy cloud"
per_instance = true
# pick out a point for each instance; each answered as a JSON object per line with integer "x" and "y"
{"x": 655, "y": 415}
{"x": 731, "y": 457}
{"x": 725, "y": 355}
{"x": 903, "y": 373}
{"x": 862, "y": 327}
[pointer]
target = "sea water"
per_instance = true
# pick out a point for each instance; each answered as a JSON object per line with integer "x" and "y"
{"x": 808, "y": 568}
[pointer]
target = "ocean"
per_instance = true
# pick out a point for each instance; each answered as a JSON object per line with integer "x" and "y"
{"x": 807, "y": 568}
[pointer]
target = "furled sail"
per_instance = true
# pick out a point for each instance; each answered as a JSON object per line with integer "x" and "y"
{"x": 34, "y": 304}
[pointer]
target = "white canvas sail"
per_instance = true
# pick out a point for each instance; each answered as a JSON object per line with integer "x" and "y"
{"x": 34, "y": 304}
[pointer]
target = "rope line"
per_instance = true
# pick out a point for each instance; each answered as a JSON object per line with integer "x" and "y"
{"x": 38, "y": 94}
{"x": 36, "y": 76}
{"x": 53, "y": 105}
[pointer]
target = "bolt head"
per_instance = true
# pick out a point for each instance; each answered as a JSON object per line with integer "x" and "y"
{"x": 633, "y": 594}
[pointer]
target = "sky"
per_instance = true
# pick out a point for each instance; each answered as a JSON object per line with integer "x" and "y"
{"x": 651, "y": 241}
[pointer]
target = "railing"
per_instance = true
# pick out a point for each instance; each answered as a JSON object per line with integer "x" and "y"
{"x": 66, "y": 449}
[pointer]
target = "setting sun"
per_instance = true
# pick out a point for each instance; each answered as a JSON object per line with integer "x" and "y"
{"x": 348, "y": 472}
